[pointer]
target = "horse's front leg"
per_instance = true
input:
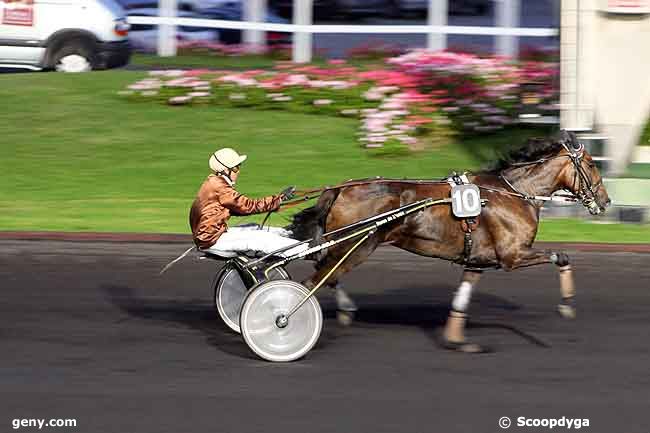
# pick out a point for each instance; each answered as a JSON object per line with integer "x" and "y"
{"x": 531, "y": 257}
{"x": 454, "y": 332}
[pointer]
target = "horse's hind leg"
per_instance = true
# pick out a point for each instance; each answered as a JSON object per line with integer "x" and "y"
{"x": 345, "y": 306}
{"x": 454, "y": 332}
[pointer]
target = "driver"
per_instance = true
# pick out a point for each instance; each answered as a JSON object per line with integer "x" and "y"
{"x": 217, "y": 200}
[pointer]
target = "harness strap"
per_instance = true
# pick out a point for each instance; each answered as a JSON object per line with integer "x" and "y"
{"x": 468, "y": 225}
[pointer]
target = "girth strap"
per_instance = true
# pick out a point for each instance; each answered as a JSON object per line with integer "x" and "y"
{"x": 468, "y": 225}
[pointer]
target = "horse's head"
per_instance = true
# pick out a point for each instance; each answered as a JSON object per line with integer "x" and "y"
{"x": 581, "y": 176}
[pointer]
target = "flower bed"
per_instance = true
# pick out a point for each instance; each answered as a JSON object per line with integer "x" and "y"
{"x": 417, "y": 100}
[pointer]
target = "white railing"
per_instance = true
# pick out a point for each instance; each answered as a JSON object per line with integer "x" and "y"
{"x": 506, "y": 43}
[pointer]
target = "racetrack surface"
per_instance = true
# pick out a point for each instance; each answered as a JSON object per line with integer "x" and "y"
{"x": 90, "y": 331}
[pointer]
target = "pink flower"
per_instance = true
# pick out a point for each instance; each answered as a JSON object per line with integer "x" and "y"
{"x": 417, "y": 120}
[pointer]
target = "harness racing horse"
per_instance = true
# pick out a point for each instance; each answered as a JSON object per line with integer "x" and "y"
{"x": 515, "y": 189}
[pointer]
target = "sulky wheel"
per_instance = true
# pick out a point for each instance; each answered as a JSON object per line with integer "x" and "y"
{"x": 230, "y": 290}
{"x": 266, "y": 329}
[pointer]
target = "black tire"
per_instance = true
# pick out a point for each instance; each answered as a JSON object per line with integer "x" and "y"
{"x": 72, "y": 50}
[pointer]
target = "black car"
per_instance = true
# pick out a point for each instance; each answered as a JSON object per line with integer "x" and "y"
{"x": 233, "y": 12}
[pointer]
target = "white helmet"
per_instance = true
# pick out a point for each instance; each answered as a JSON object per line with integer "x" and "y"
{"x": 225, "y": 159}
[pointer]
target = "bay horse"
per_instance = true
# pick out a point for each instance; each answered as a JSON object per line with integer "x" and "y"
{"x": 515, "y": 189}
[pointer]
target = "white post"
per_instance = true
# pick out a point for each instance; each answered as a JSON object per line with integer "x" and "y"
{"x": 167, "y": 33}
{"x": 507, "y": 15}
{"x": 438, "y": 12}
{"x": 302, "y": 15}
{"x": 255, "y": 11}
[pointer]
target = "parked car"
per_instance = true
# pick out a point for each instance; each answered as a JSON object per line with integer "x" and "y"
{"x": 233, "y": 12}
{"x": 230, "y": 10}
{"x": 144, "y": 37}
{"x": 327, "y": 9}
{"x": 455, "y": 7}
{"x": 324, "y": 9}
{"x": 69, "y": 36}
{"x": 182, "y": 5}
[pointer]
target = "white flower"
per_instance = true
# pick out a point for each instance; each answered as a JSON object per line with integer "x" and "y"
{"x": 283, "y": 99}
{"x": 322, "y": 102}
{"x": 198, "y": 94}
{"x": 179, "y": 100}
{"x": 349, "y": 111}
{"x": 387, "y": 89}
{"x": 237, "y": 97}
{"x": 149, "y": 93}
{"x": 373, "y": 96}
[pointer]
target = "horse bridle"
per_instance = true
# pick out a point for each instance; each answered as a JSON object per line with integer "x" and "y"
{"x": 586, "y": 191}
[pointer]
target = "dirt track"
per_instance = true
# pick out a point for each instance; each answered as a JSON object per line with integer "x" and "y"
{"x": 89, "y": 331}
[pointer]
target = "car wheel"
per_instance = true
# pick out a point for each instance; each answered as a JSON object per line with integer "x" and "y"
{"x": 74, "y": 57}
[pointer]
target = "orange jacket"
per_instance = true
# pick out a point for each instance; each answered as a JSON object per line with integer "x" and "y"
{"x": 215, "y": 202}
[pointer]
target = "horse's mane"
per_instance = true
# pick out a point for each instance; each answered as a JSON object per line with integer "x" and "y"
{"x": 533, "y": 149}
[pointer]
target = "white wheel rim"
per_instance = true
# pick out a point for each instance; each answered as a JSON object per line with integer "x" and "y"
{"x": 229, "y": 297}
{"x": 230, "y": 293}
{"x": 73, "y": 63}
{"x": 262, "y": 307}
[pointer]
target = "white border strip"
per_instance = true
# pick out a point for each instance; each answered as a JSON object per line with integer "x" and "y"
{"x": 290, "y": 28}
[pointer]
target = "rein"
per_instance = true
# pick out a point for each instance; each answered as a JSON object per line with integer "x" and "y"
{"x": 309, "y": 194}
{"x": 586, "y": 194}
{"x": 368, "y": 182}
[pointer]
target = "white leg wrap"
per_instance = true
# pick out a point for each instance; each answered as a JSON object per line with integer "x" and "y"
{"x": 343, "y": 301}
{"x": 462, "y": 297}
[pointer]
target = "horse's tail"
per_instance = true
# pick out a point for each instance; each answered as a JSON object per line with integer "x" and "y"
{"x": 310, "y": 223}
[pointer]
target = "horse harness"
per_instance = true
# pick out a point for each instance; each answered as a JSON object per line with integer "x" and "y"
{"x": 586, "y": 189}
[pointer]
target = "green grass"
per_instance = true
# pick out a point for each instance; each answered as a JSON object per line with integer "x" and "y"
{"x": 645, "y": 135}
{"x": 77, "y": 157}
{"x": 202, "y": 61}
{"x": 638, "y": 171}
{"x": 251, "y": 61}
{"x": 572, "y": 230}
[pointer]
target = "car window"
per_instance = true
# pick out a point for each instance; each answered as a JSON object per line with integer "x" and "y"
{"x": 194, "y": 29}
{"x": 114, "y": 7}
{"x": 142, "y": 27}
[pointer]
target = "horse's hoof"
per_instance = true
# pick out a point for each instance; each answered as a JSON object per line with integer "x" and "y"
{"x": 345, "y": 318}
{"x": 465, "y": 347}
{"x": 567, "y": 311}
